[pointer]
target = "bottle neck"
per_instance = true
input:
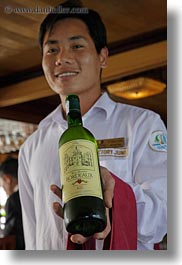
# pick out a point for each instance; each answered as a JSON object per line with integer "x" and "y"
{"x": 73, "y": 112}
{"x": 74, "y": 118}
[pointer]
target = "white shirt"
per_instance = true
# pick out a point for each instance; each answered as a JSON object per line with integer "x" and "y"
{"x": 143, "y": 168}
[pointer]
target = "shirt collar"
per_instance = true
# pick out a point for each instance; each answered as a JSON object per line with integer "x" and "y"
{"x": 104, "y": 103}
{"x": 56, "y": 116}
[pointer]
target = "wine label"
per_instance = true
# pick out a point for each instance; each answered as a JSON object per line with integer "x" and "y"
{"x": 79, "y": 170}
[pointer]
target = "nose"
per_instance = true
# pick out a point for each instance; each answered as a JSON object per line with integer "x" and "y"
{"x": 64, "y": 57}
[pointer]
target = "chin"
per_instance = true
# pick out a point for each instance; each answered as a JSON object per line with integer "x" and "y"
{"x": 64, "y": 91}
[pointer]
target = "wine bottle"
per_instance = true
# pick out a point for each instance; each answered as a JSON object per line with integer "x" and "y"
{"x": 84, "y": 210}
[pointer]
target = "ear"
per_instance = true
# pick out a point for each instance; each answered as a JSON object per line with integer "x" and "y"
{"x": 104, "y": 53}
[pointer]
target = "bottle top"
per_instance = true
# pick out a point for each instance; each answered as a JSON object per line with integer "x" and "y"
{"x": 72, "y": 103}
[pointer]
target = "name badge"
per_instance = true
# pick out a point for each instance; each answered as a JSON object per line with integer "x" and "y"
{"x": 116, "y": 147}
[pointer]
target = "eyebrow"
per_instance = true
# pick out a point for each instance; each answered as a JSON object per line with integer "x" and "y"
{"x": 77, "y": 37}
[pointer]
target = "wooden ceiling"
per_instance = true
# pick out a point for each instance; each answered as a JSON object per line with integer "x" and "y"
{"x": 137, "y": 33}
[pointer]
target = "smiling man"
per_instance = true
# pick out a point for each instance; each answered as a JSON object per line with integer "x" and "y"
{"x": 71, "y": 63}
{"x": 74, "y": 52}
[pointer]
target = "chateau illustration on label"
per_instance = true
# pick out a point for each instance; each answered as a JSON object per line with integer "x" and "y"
{"x": 78, "y": 157}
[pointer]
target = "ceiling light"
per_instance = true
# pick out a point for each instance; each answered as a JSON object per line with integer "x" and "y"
{"x": 136, "y": 88}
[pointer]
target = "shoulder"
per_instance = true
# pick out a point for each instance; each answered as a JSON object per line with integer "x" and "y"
{"x": 134, "y": 114}
{"x": 126, "y": 109}
{"x": 135, "y": 110}
{"x": 43, "y": 127}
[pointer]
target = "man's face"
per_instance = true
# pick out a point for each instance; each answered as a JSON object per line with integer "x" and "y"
{"x": 70, "y": 61}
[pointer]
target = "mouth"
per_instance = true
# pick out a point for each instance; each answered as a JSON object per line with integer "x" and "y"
{"x": 65, "y": 74}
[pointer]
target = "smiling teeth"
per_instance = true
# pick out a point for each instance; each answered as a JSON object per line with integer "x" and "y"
{"x": 66, "y": 74}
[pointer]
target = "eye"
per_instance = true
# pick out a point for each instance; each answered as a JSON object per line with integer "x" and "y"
{"x": 52, "y": 50}
{"x": 77, "y": 46}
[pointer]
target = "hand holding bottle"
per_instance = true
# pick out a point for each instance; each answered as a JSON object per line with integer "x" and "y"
{"x": 108, "y": 192}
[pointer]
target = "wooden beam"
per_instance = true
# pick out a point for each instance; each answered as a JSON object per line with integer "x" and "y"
{"x": 119, "y": 65}
{"x": 138, "y": 41}
{"x": 136, "y": 61}
{"x": 26, "y": 115}
{"x": 25, "y": 91}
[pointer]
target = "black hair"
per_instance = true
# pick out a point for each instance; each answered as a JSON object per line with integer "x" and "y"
{"x": 75, "y": 9}
{"x": 10, "y": 167}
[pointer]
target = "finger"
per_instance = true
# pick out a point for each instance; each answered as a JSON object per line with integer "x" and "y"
{"x": 108, "y": 198}
{"x": 108, "y": 184}
{"x": 106, "y": 231}
{"x": 58, "y": 209}
{"x": 78, "y": 239}
{"x": 56, "y": 190}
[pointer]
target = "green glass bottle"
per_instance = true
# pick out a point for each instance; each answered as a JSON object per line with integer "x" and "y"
{"x": 84, "y": 210}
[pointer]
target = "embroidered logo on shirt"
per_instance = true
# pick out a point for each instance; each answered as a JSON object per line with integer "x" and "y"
{"x": 158, "y": 141}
